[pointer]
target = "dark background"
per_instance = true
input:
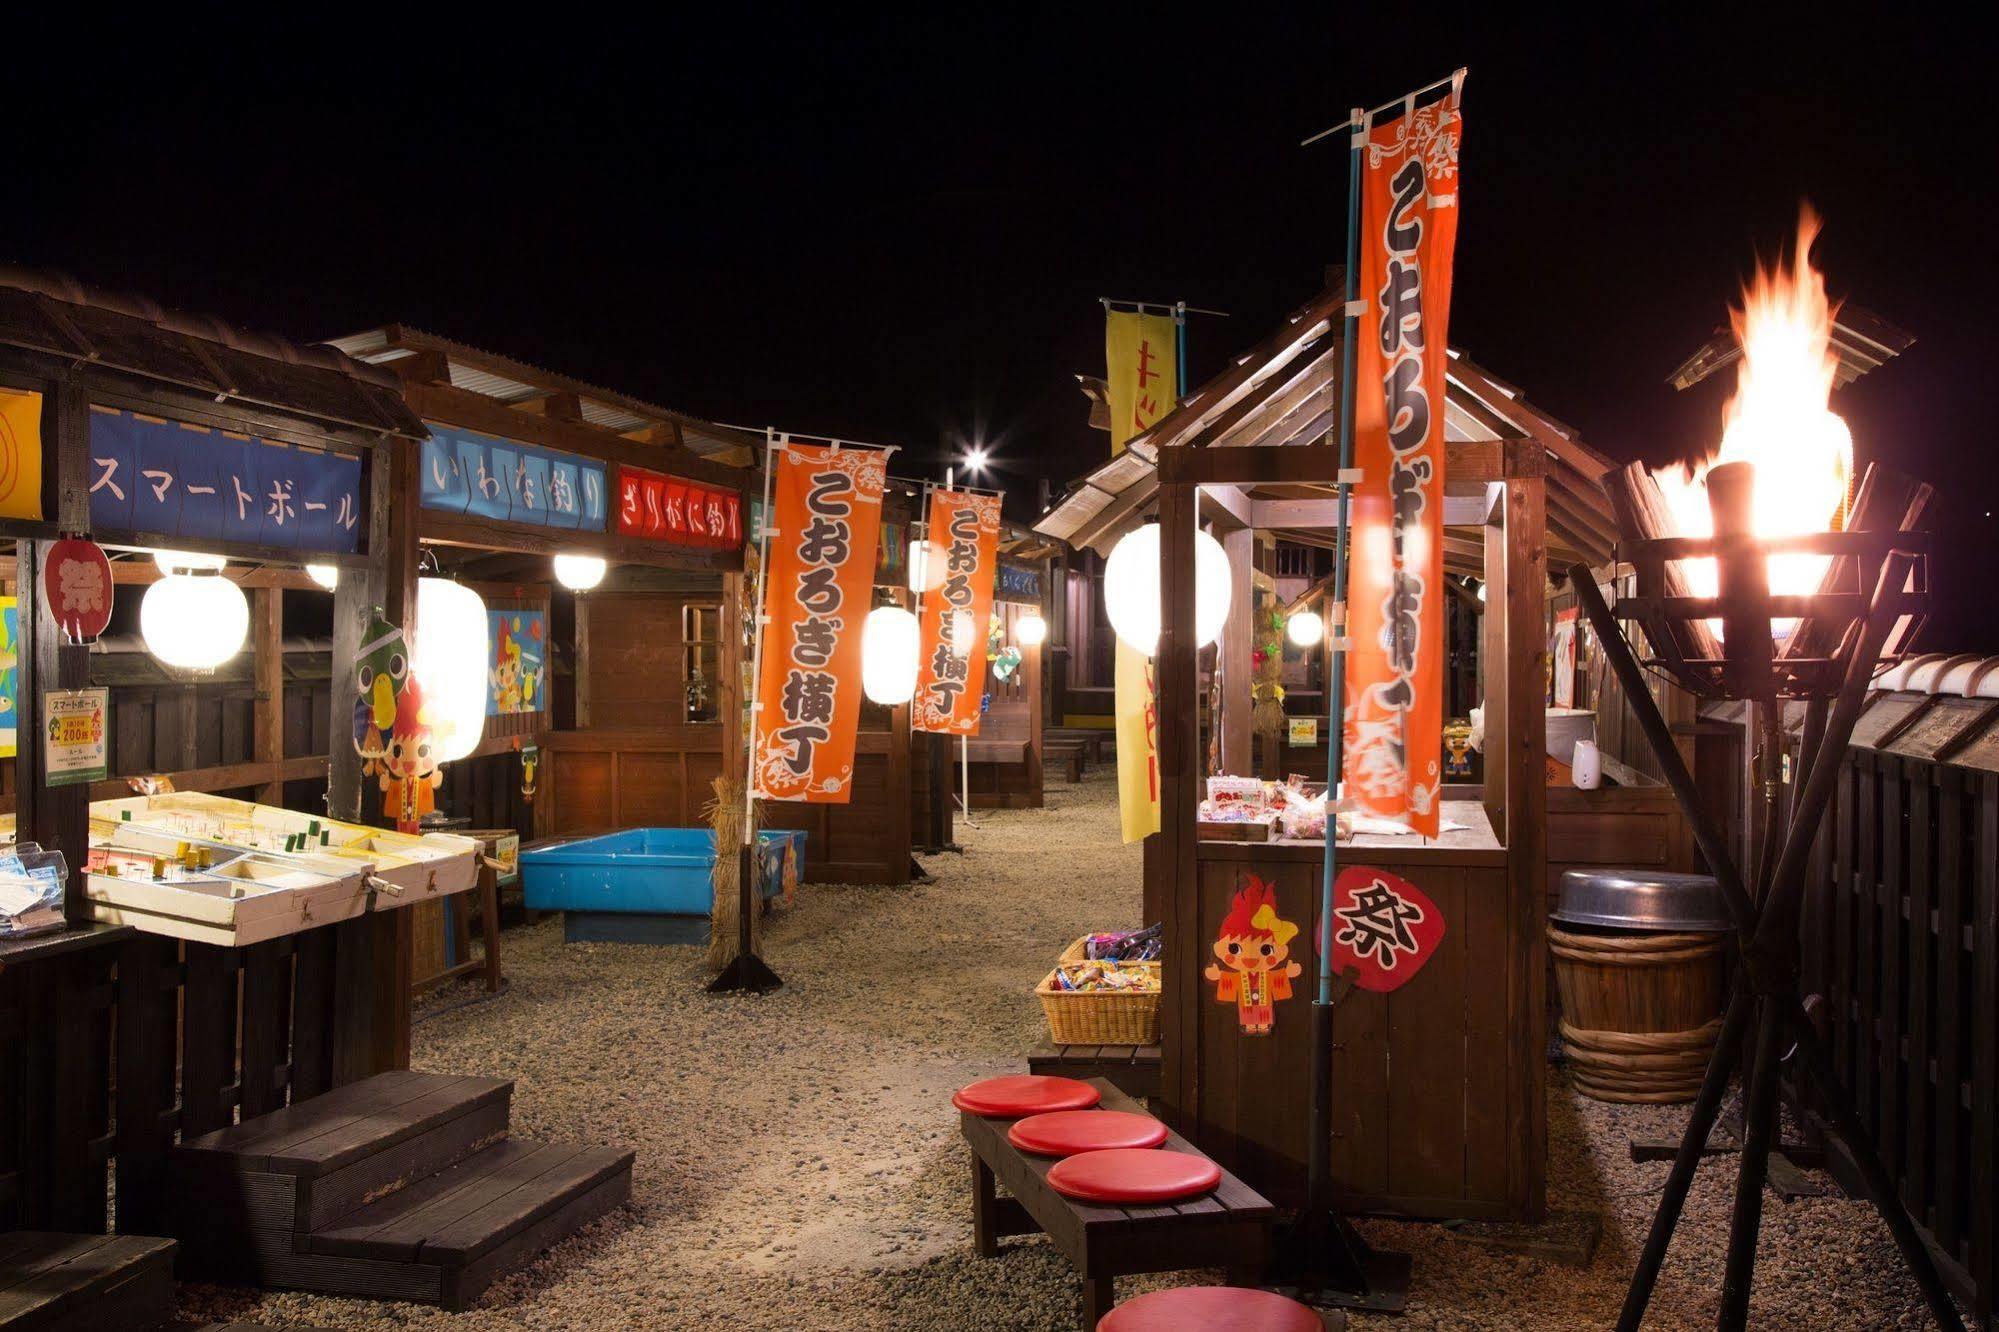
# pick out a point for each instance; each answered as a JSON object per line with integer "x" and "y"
{"x": 897, "y": 230}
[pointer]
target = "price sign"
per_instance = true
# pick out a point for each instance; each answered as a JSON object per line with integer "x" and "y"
{"x": 76, "y": 735}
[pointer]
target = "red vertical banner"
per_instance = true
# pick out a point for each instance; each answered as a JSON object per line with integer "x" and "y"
{"x": 951, "y": 662}
{"x": 1395, "y": 596}
{"x": 826, "y": 512}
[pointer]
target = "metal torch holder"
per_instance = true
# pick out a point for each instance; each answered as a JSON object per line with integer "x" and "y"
{"x": 1843, "y": 636}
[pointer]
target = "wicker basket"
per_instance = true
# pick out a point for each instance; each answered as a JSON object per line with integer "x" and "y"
{"x": 1100, "y": 1017}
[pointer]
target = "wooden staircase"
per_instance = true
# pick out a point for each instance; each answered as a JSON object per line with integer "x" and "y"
{"x": 404, "y": 1186}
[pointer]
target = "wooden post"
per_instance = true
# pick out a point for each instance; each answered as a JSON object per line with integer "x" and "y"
{"x": 1523, "y": 758}
{"x": 267, "y": 618}
{"x": 1492, "y": 667}
{"x": 57, "y": 817}
{"x": 1238, "y": 638}
{"x": 1173, "y": 863}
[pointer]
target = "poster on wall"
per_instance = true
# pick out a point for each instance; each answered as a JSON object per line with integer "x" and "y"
{"x": 517, "y": 662}
{"x": 951, "y": 658}
{"x": 20, "y": 454}
{"x": 826, "y": 515}
{"x": 1408, "y": 233}
{"x": 77, "y": 735}
{"x": 10, "y": 676}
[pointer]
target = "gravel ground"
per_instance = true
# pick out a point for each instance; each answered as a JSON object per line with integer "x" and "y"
{"x": 799, "y": 1166}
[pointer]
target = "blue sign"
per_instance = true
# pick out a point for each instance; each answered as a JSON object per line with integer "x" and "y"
{"x": 500, "y": 480}
{"x": 179, "y": 480}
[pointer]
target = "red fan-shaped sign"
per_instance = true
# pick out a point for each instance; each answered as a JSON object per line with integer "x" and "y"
{"x": 1384, "y": 928}
{"x": 77, "y": 583}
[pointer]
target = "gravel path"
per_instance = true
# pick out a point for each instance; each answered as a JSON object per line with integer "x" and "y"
{"x": 799, "y": 1166}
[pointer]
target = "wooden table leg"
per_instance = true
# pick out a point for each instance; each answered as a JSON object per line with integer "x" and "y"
{"x": 1099, "y": 1297}
{"x": 985, "y": 1240}
{"x": 489, "y": 923}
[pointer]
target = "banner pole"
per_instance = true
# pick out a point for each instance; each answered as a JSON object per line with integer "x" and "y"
{"x": 747, "y": 971}
{"x": 1326, "y": 1257}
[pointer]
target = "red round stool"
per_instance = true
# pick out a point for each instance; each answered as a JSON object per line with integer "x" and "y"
{"x": 1212, "y": 1309}
{"x": 1133, "y": 1175}
{"x": 1023, "y": 1094}
{"x": 1067, "y": 1132}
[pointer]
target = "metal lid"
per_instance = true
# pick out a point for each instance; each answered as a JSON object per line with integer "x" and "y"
{"x": 1641, "y": 899}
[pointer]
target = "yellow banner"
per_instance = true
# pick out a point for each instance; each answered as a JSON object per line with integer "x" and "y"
{"x": 1140, "y": 356}
{"x": 1137, "y": 708}
{"x": 20, "y": 454}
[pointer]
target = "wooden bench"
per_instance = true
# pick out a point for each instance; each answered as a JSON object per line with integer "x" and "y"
{"x": 1005, "y": 743}
{"x": 1063, "y": 754}
{"x": 1095, "y": 743}
{"x": 1132, "y": 1069}
{"x": 1229, "y": 1228}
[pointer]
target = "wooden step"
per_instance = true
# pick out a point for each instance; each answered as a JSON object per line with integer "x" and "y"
{"x": 308, "y": 1164}
{"x": 84, "y": 1283}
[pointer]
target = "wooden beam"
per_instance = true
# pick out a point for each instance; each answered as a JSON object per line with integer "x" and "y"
{"x": 267, "y": 744}
{"x": 1464, "y": 460}
{"x": 1238, "y": 641}
{"x": 1173, "y": 858}
{"x": 556, "y": 405}
{"x": 144, "y": 573}
{"x": 451, "y": 529}
{"x": 223, "y": 777}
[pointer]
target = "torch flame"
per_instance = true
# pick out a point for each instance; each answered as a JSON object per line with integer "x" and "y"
{"x": 1779, "y": 421}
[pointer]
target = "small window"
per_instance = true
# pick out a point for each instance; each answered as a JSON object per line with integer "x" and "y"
{"x": 701, "y": 662}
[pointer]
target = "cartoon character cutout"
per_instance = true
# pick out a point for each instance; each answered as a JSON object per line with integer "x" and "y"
{"x": 506, "y": 675}
{"x": 1254, "y": 949}
{"x": 409, "y": 770}
{"x": 383, "y": 667}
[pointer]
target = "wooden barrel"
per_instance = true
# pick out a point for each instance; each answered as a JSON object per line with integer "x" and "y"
{"x": 1640, "y": 1012}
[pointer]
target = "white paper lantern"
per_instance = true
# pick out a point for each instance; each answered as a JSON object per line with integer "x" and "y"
{"x": 925, "y": 574}
{"x": 326, "y": 575}
{"x": 195, "y": 622}
{"x": 1030, "y": 630}
{"x": 579, "y": 573}
{"x": 450, "y": 664}
{"x": 1131, "y": 588}
{"x": 1305, "y": 629}
{"x": 889, "y": 644}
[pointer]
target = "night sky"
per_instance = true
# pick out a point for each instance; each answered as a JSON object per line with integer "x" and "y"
{"x": 898, "y": 231}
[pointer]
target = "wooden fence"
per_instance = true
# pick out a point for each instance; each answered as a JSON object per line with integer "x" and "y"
{"x": 1903, "y": 949}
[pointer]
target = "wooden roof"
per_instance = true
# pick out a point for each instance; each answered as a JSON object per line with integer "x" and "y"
{"x": 54, "y": 315}
{"x": 1283, "y": 393}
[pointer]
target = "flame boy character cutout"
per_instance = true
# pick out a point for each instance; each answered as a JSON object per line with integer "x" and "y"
{"x": 1254, "y": 946}
{"x": 410, "y": 775}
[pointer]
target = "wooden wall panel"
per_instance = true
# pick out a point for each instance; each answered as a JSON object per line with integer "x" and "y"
{"x": 1421, "y": 1125}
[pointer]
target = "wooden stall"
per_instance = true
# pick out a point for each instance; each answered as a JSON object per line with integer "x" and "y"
{"x": 1439, "y": 1087}
{"x": 125, "y": 424}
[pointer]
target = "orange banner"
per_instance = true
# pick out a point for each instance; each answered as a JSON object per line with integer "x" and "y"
{"x": 951, "y": 667}
{"x": 1395, "y": 596}
{"x": 826, "y": 511}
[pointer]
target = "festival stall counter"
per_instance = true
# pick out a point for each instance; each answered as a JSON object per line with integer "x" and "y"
{"x": 1438, "y": 1024}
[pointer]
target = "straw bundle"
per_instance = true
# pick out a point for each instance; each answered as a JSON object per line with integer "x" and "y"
{"x": 725, "y": 815}
{"x": 1266, "y": 717}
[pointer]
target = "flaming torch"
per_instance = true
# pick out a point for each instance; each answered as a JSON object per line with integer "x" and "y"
{"x": 1756, "y": 578}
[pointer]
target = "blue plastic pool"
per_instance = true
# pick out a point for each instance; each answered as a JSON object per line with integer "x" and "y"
{"x": 644, "y": 872}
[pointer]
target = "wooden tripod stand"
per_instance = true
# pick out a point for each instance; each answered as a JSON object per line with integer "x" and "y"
{"x": 1765, "y": 996}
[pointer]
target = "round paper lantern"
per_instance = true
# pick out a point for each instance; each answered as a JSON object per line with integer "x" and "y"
{"x": 1131, "y": 588}
{"x": 450, "y": 664}
{"x": 888, "y": 655}
{"x": 579, "y": 573}
{"x": 1030, "y": 630}
{"x": 194, "y": 621}
{"x": 326, "y": 575}
{"x": 1305, "y": 629}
